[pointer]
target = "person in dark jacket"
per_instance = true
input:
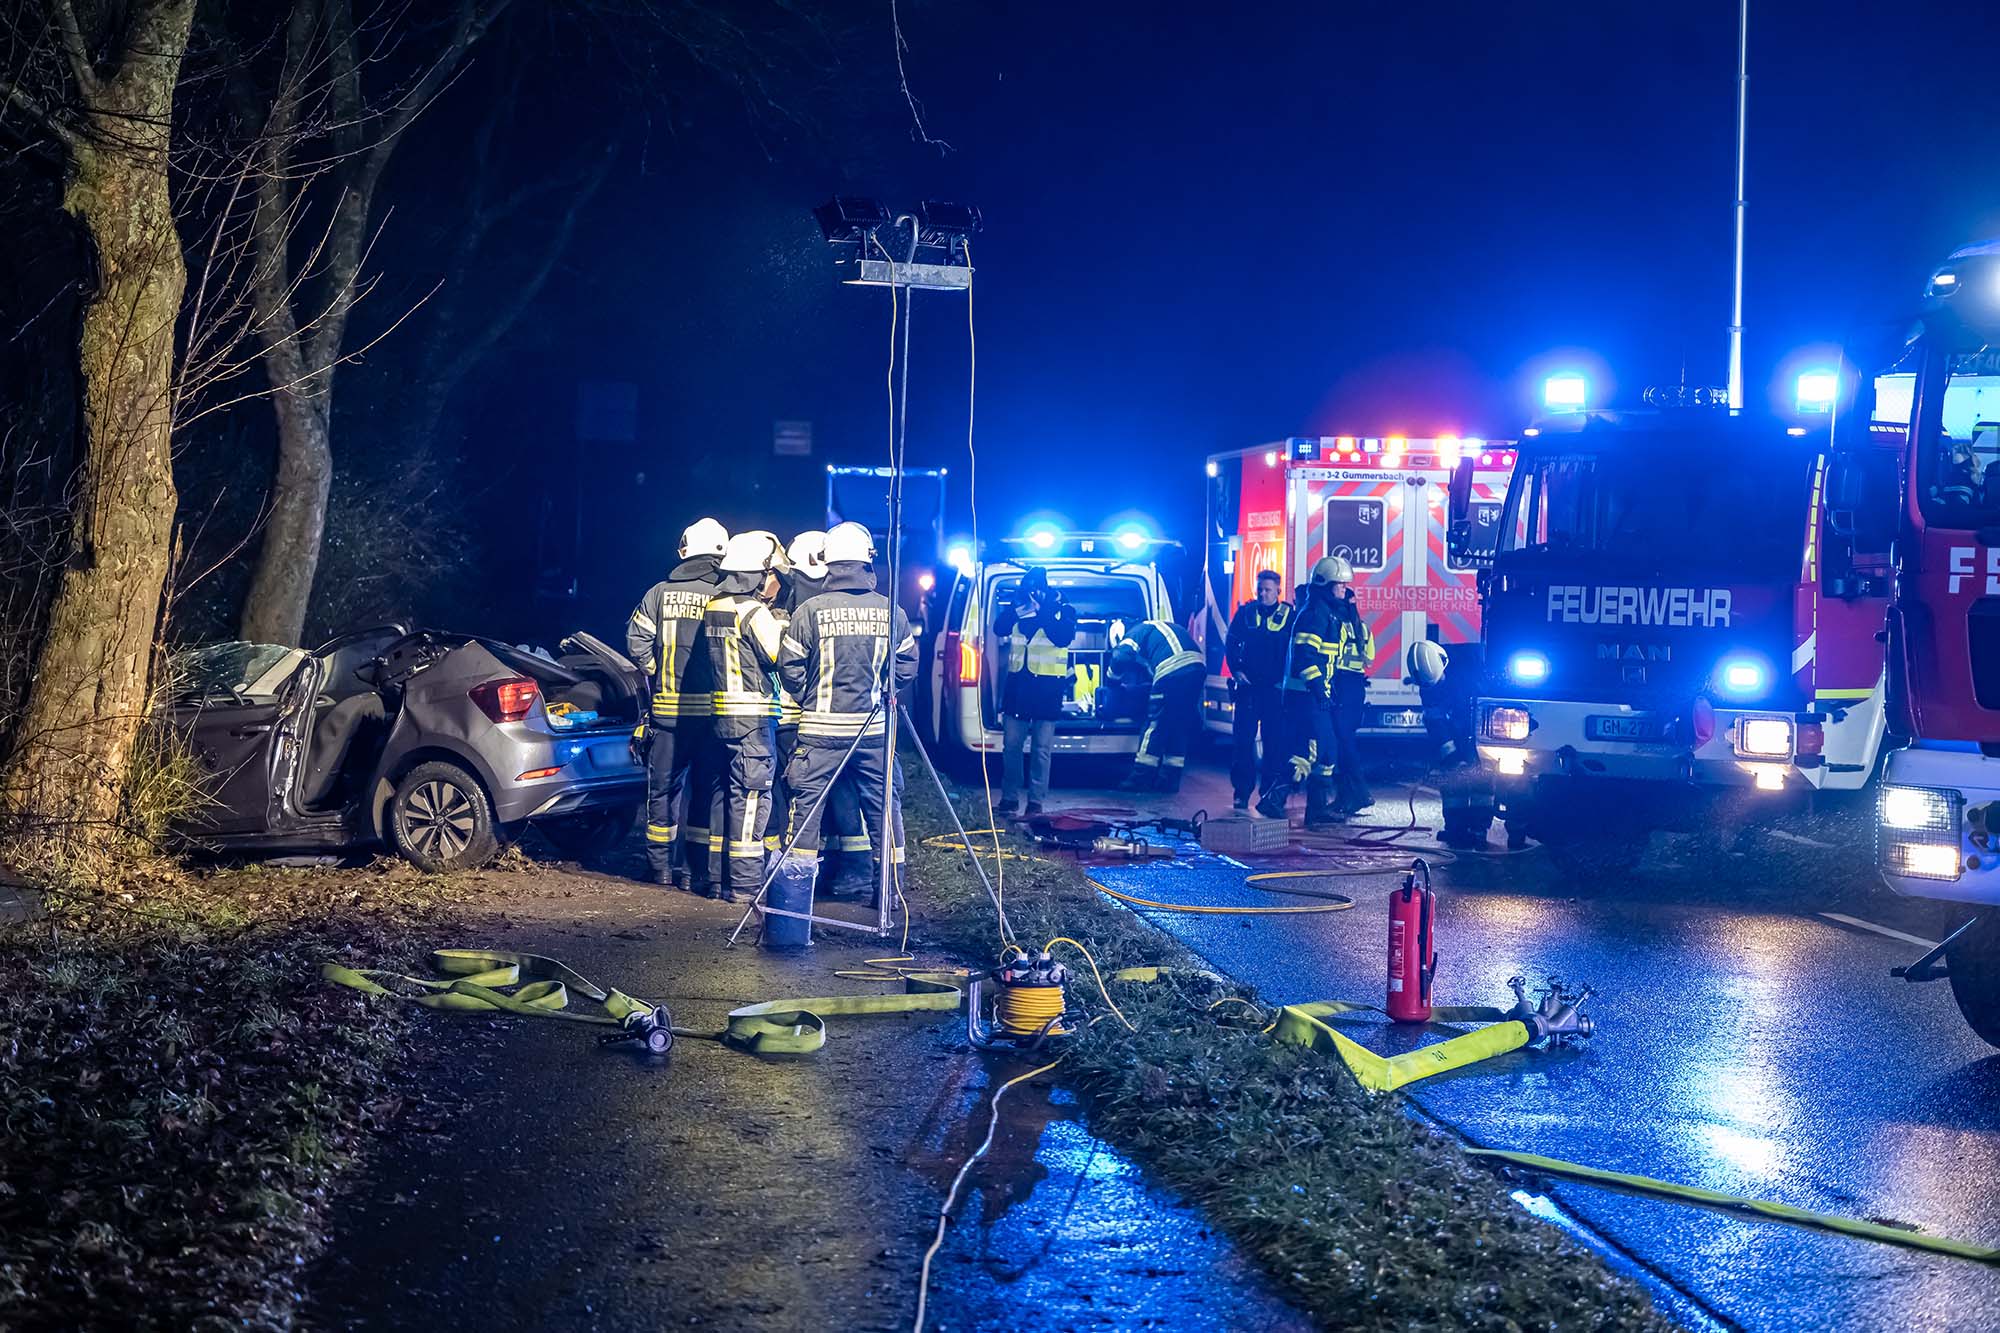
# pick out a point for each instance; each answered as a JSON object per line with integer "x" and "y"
{"x": 843, "y": 651}
{"x": 1259, "y": 634}
{"x": 1038, "y": 627}
{"x": 1160, "y": 654}
{"x": 664, "y": 637}
{"x": 1308, "y": 699}
{"x": 742, "y": 636}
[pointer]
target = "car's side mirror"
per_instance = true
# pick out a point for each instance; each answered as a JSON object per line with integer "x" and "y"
{"x": 1458, "y": 531}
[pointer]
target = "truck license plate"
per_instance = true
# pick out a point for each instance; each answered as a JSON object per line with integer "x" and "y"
{"x": 1624, "y": 727}
{"x": 1410, "y": 718}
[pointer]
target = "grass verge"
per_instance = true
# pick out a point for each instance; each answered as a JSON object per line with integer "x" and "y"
{"x": 1365, "y": 1217}
{"x": 178, "y": 1089}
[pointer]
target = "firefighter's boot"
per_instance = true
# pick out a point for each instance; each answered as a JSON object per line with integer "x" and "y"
{"x": 1141, "y": 778}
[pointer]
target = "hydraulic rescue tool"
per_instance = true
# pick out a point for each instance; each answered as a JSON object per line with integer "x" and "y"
{"x": 1412, "y": 946}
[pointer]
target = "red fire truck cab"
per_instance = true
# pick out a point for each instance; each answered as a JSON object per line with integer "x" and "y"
{"x": 1938, "y": 813}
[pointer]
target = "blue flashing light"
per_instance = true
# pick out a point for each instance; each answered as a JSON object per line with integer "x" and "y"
{"x": 1528, "y": 668}
{"x": 1565, "y": 393}
{"x": 959, "y": 557}
{"x": 1741, "y": 677}
{"x": 1817, "y": 390}
{"x": 1132, "y": 538}
{"x": 1043, "y": 539}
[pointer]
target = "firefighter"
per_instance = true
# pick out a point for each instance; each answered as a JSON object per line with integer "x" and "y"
{"x": 1308, "y": 699}
{"x": 844, "y": 649}
{"x": 1352, "y": 653}
{"x": 1160, "y": 654}
{"x": 1259, "y": 634}
{"x": 664, "y": 637}
{"x": 1039, "y": 627}
{"x": 742, "y": 633}
{"x": 807, "y": 558}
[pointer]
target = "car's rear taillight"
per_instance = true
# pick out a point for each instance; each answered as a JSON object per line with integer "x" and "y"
{"x": 968, "y": 663}
{"x": 506, "y": 700}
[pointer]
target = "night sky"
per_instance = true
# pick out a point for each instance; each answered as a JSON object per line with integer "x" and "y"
{"x": 1212, "y": 226}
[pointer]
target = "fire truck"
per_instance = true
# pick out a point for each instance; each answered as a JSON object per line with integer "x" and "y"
{"x": 1683, "y": 613}
{"x": 1937, "y": 821}
{"x": 1379, "y": 501}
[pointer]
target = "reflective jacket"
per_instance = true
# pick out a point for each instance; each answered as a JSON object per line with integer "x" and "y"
{"x": 1259, "y": 637}
{"x": 1159, "y": 649}
{"x": 742, "y": 634}
{"x": 1038, "y": 679}
{"x": 835, "y": 656}
{"x": 798, "y": 590}
{"x": 1330, "y": 637}
{"x": 663, "y": 636}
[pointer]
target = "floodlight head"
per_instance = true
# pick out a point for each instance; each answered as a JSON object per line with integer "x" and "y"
{"x": 942, "y": 221}
{"x": 847, "y": 219}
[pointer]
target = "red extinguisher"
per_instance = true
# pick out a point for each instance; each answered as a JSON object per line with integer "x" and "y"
{"x": 1412, "y": 946}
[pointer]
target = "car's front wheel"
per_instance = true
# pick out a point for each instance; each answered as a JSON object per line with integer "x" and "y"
{"x": 1973, "y": 965}
{"x": 440, "y": 819}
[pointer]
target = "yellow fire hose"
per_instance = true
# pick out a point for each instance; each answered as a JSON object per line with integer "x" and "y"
{"x": 492, "y": 981}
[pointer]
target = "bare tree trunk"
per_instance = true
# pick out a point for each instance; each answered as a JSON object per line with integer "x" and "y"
{"x": 275, "y": 610}
{"x": 90, "y": 690}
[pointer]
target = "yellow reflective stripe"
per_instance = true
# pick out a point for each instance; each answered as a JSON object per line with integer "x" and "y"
{"x": 851, "y": 842}
{"x": 661, "y": 832}
{"x": 1178, "y": 662}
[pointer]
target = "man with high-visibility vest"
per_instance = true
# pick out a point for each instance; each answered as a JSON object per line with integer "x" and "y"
{"x": 842, "y": 653}
{"x": 1325, "y": 670}
{"x": 1353, "y": 653}
{"x": 664, "y": 637}
{"x": 1038, "y": 627}
{"x": 743, "y": 634}
{"x": 1162, "y": 655}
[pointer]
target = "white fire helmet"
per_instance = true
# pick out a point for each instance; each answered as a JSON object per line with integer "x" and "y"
{"x": 849, "y": 541}
{"x": 753, "y": 553}
{"x": 1427, "y": 662}
{"x": 704, "y": 536}
{"x": 808, "y": 554}
{"x": 1333, "y": 569}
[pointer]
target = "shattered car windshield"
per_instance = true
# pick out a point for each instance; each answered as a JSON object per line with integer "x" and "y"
{"x": 230, "y": 671}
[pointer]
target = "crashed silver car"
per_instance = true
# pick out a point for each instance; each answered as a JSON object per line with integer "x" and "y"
{"x": 442, "y": 746}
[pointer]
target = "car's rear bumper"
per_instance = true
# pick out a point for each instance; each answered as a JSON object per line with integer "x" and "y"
{"x": 595, "y": 769}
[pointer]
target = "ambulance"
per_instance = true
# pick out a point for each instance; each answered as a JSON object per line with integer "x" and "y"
{"x": 1379, "y": 501}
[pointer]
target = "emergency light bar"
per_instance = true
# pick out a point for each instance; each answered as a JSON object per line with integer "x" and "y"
{"x": 1127, "y": 543}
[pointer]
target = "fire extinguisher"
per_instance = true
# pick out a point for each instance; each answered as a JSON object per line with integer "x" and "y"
{"x": 1412, "y": 946}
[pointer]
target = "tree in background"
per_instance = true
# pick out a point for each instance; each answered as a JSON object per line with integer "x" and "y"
{"x": 94, "y": 90}
{"x": 328, "y": 138}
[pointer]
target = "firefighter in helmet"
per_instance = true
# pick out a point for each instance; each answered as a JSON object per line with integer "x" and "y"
{"x": 1325, "y": 644}
{"x": 843, "y": 651}
{"x": 663, "y": 636}
{"x": 1351, "y": 652}
{"x": 806, "y": 557}
{"x": 742, "y": 633}
{"x": 1162, "y": 656}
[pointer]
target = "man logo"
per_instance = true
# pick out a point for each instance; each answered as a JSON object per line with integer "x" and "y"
{"x": 1635, "y": 652}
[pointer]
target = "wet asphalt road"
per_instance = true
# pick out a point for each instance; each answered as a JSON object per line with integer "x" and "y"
{"x": 1745, "y": 1043}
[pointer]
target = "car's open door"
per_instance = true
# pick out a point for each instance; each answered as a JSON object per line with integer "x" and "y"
{"x": 235, "y": 740}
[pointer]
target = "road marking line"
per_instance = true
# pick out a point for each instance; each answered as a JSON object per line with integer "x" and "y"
{"x": 1802, "y": 839}
{"x": 1859, "y": 924}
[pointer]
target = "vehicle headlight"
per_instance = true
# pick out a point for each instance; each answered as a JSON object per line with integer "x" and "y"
{"x": 1765, "y": 737}
{"x": 1507, "y": 724}
{"x": 1917, "y": 832}
{"x": 1917, "y": 810}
